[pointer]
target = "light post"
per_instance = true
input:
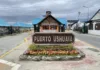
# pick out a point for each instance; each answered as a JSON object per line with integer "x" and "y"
{"x": 88, "y": 12}
{"x": 84, "y": 28}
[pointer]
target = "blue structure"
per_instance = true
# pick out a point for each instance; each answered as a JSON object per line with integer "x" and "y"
{"x": 3, "y": 23}
{"x": 18, "y": 27}
{"x": 19, "y": 24}
{"x": 23, "y": 25}
{"x": 4, "y": 27}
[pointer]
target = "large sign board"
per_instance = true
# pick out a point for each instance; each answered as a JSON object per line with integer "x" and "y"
{"x": 53, "y": 38}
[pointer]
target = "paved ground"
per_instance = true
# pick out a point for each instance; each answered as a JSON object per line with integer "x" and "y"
{"x": 91, "y": 62}
{"x": 91, "y": 39}
{"x": 9, "y": 42}
{"x": 4, "y": 67}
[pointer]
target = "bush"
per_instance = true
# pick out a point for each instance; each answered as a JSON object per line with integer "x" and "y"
{"x": 70, "y": 47}
{"x": 32, "y": 47}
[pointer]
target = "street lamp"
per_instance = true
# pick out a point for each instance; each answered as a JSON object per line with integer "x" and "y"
{"x": 88, "y": 11}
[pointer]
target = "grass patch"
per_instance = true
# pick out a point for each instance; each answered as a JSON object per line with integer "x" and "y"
{"x": 51, "y": 47}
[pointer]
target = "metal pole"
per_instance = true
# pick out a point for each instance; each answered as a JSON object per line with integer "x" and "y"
{"x": 79, "y": 15}
{"x": 88, "y": 14}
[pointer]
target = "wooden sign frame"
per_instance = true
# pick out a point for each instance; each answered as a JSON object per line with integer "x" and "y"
{"x": 53, "y": 38}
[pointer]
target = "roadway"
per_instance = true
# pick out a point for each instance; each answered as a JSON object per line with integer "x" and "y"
{"x": 90, "y": 39}
{"x": 9, "y": 42}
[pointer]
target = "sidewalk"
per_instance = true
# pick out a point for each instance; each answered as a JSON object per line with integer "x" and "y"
{"x": 5, "y": 67}
{"x": 91, "y": 62}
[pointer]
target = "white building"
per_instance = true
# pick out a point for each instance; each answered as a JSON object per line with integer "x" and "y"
{"x": 94, "y": 24}
{"x": 71, "y": 24}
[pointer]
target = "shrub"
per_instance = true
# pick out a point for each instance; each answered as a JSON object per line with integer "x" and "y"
{"x": 70, "y": 47}
{"x": 32, "y": 47}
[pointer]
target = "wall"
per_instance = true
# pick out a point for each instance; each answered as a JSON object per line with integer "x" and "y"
{"x": 94, "y": 32}
{"x": 73, "y": 26}
{"x": 49, "y": 21}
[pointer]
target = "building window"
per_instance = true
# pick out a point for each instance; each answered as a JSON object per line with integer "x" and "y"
{"x": 97, "y": 26}
{"x": 45, "y": 27}
{"x": 53, "y": 27}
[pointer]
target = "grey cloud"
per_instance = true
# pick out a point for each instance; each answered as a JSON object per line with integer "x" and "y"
{"x": 26, "y": 10}
{"x": 17, "y": 2}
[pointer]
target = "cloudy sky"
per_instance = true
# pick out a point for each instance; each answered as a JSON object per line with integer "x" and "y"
{"x": 26, "y": 10}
